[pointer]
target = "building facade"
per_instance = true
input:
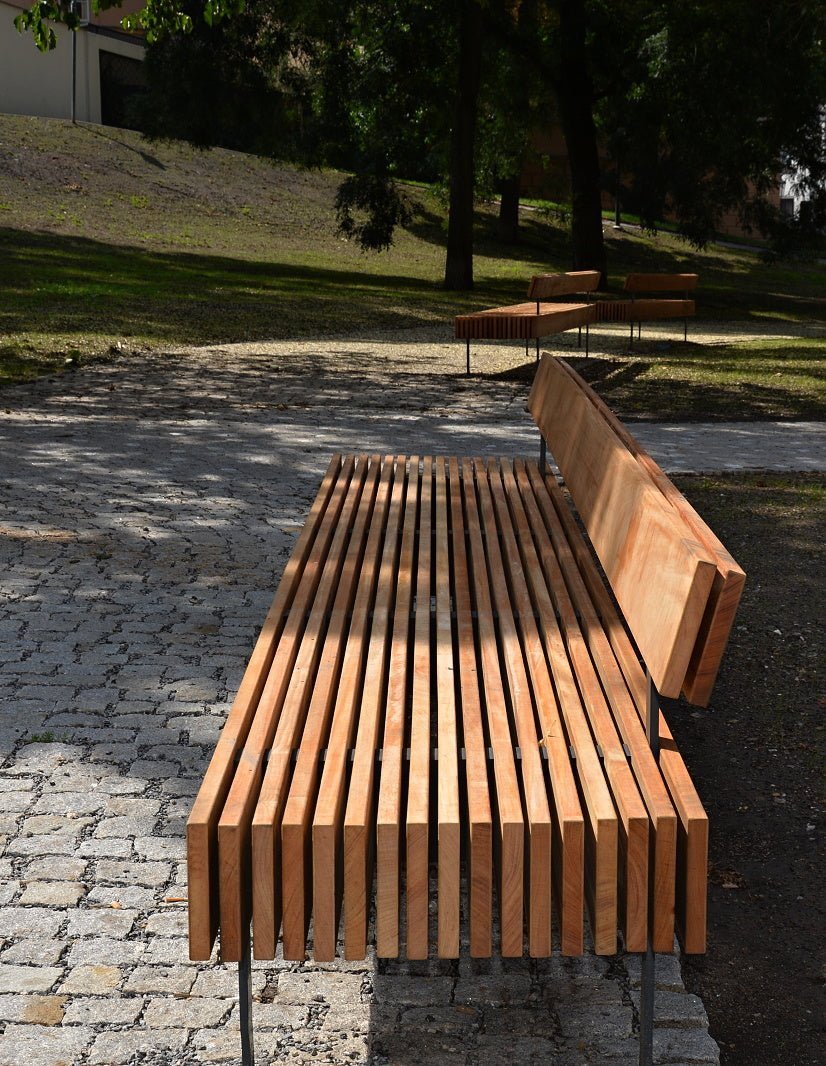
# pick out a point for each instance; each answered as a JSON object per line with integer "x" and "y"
{"x": 91, "y": 78}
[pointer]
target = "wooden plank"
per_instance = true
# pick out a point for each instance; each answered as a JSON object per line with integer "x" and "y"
{"x": 359, "y": 827}
{"x": 548, "y": 286}
{"x": 522, "y": 321}
{"x": 562, "y": 699}
{"x": 297, "y": 647}
{"x": 479, "y": 817}
{"x": 633, "y": 529}
{"x": 202, "y": 825}
{"x": 447, "y": 793}
{"x": 311, "y": 695}
{"x": 527, "y": 733}
{"x": 661, "y": 282}
{"x": 232, "y": 840}
{"x": 564, "y": 536}
{"x": 510, "y": 836}
{"x": 573, "y": 678}
{"x": 328, "y": 815}
{"x": 729, "y": 580}
{"x": 389, "y": 810}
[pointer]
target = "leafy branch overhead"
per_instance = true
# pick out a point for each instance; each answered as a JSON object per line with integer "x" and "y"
{"x": 687, "y": 112}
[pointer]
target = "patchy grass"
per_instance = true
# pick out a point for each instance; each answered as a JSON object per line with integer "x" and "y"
{"x": 109, "y": 242}
{"x": 756, "y": 757}
{"x": 756, "y": 379}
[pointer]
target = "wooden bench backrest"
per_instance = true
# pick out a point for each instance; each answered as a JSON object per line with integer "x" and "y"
{"x": 729, "y": 580}
{"x": 661, "y": 282}
{"x": 660, "y": 573}
{"x": 547, "y": 286}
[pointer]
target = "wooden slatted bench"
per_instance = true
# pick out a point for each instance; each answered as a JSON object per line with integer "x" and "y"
{"x": 445, "y": 677}
{"x": 648, "y": 303}
{"x": 542, "y": 316}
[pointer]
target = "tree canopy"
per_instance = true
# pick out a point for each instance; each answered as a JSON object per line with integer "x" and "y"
{"x": 692, "y": 109}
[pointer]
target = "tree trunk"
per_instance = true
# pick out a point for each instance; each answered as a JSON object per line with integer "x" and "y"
{"x": 508, "y": 228}
{"x": 575, "y": 93}
{"x": 459, "y": 263}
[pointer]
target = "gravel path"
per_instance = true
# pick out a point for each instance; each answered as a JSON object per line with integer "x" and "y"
{"x": 149, "y": 509}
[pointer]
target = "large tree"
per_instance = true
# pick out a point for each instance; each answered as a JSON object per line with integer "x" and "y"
{"x": 703, "y": 102}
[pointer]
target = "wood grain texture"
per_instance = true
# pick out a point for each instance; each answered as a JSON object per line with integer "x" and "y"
{"x": 509, "y": 840}
{"x": 359, "y": 821}
{"x": 328, "y": 815}
{"x": 202, "y": 825}
{"x": 523, "y": 321}
{"x": 633, "y": 529}
{"x": 447, "y": 791}
{"x": 311, "y": 695}
{"x": 727, "y": 588}
{"x": 390, "y": 806}
{"x": 629, "y": 737}
{"x": 661, "y": 282}
{"x": 548, "y": 286}
{"x": 479, "y": 845}
{"x": 525, "y": 725}
{"x": 235, "y": 819}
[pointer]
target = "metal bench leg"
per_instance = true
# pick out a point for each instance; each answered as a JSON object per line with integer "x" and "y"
{"x": 647, "y": 979}
{"x": 467, "y": 357}
{"x": 543, "y": 456}
{"x": 632, "y": 335}
{"x": 245, "y": 1004}
{"x": 579, "y": 338}
{"x": 587, "y": 338}
{"x": 685, "y": 331}
{"x": 652, "y": 728}
{"x": 537, "y": 349}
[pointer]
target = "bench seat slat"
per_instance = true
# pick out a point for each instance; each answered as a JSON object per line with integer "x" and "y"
{"x": 524, "y": 321}
{"x": 358, "y": 816}
{"x": 562, "y": 531}
{"x": 447, "y": 789}
{"x": 288, "y": 682}
{"x": 479, "y": 843}
{"x": 396, "y": 731}
{"x": 509, "y": 841}
{"x": 525, "y": 726}
{"x": 202, "y": 825}
{"x": 569, "y": 822}
{"x": 310, "y": 694}
{"x": 328, "y": 812}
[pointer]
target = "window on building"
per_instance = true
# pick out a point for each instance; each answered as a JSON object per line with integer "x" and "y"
{"x": 122, "y": 82}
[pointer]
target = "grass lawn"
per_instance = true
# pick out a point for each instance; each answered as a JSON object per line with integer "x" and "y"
{"x": 108, "y": 242}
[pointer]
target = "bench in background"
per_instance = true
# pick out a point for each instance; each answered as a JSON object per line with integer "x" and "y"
{"x": 541, "y": 317}
{"x": 648, "y": 303}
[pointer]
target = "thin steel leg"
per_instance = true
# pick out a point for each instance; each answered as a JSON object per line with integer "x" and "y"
{"x": 632, "y": 335}
{"x": 537, "y": 349}
{"x": 526, "y": 347}
{"x": 647, "y": 962}
{"x": 647, "y": 978}
{"x": 579, "y": 338}
{"x": 587, "y": 338}
{"x": 543, "y": 456}
{"x": 685, "y": 331}
{"x": 245, "y": 1003}
{"x": 467, "y": 357}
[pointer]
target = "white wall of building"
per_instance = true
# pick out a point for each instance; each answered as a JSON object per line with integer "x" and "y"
{"x": 38, "y": 83}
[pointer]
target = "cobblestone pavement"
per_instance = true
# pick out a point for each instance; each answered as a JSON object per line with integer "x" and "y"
{"x": 149, "y": 508}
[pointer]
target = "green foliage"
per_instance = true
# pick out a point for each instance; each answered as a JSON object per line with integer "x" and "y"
{"x": 369, "y": 209}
